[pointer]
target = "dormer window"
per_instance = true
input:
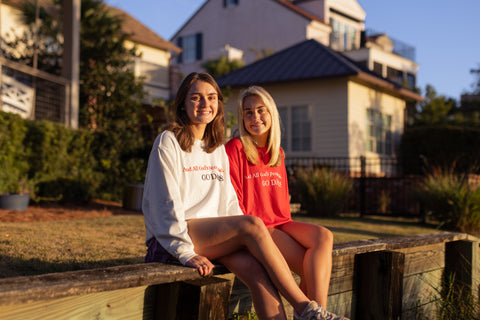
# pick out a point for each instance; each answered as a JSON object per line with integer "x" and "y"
{"x": 230, "y": 3}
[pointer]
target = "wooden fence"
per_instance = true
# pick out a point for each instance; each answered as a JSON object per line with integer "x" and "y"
{"x": 396, "y": 278}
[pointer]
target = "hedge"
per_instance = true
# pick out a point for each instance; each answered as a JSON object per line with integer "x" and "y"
{"x": 441, "y": 147}
{"x": 66, "y": 164}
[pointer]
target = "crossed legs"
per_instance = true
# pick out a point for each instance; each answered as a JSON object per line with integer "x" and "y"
{"x": 307, "y": 248}
{"x": 219, "y": 237}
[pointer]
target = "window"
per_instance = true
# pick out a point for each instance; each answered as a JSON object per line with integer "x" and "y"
{"x": 296, "y": 129}
{"x": 343, "y": 36}
{"x": 191, "y": 48}
{"x": 379, "y": 132}
{"x": 395, "y": 75}
{"x": 229, "y": 3}
{"x": 378, "y": 68}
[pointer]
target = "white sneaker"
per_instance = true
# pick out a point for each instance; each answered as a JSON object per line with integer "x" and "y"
{"x": 315, "y": 312}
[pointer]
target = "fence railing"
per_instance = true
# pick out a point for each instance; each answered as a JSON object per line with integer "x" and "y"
{"x": 380, "y": 187}
{"x": 32, "y": 93}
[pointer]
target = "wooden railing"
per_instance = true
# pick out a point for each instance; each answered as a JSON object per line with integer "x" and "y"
{"x": 396, "y": 278}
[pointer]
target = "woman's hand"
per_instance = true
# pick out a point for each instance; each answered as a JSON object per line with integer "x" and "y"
{"x": 202, "y": 264}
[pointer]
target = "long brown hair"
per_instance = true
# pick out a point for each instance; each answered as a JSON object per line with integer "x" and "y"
{"x": 214, "y": 135}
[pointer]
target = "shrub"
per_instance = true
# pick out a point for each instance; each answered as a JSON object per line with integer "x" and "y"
{"x": 321, "y": 191}
{"x": 451, "y": 200}
{"x": 67, "y": 164}
{"x": 14, "y": 165}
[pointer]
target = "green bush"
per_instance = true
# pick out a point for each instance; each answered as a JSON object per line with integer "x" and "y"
{"x": 13, "y": 161}
{"x": 321, "y": 191}
{"x": 451, "y": 200}
{"x": 67, "y": 164}
{"x": 440, "y": 146}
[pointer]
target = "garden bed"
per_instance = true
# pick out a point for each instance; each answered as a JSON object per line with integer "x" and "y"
{"x": 54, "y": 211}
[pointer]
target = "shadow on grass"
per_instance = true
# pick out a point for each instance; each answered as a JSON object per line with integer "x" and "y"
{"x": 15, "y": 267}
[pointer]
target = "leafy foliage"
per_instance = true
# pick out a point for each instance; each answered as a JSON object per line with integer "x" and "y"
{"x": 321, "y": 191}
{"x": 451, "y": 199}
{"x": 222, "y": 66}
{"x": 110, "y": 101}
{"x": 14, "y": 166}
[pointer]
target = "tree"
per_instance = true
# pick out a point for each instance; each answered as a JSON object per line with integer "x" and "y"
{"x": 222, "y": 66}
{"x": 434, "y": 110}
{"x": 476, "y": 85}
{"x": 110, "y": 95}
{"x": 42, "y": 45}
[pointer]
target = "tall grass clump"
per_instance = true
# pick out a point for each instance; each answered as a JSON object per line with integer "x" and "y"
{"x": 322, "y": 192}
{"x": 456, "y": 302}
{"x": 451, "y": 200}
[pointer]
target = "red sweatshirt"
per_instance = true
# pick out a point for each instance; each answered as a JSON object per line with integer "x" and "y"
{"x": 262, "y": 190}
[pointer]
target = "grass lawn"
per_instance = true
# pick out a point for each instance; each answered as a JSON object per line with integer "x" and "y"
{"x": 28, "y": 248}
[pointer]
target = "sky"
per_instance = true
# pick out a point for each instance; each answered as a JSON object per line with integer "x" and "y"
{"x": 445, "y": 34}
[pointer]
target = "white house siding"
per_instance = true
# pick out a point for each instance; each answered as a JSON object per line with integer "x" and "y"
{"x": 328, "y": 102}
{"x": 252, "y": 24}
{"x": 319, "y": 32}
{"x": 153, "y": 65}
{"x": 360, "y": 98}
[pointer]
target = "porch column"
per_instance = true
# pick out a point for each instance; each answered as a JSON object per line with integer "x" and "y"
{"x": 71, "y": 60}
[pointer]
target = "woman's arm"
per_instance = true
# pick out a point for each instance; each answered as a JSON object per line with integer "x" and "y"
{"x": 162, "y": 204}
{"x": 236, "y": 169}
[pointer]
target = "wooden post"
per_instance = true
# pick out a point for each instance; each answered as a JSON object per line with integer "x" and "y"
{"x": 379, "y": 285}
{"x": 462, "y": 261}
{"x": 363, "y": 186}
{"x": 203, "y": 299}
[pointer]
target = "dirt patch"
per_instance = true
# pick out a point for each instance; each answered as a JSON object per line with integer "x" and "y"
{"x": 54, "y": 211}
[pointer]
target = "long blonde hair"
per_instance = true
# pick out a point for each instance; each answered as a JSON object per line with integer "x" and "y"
{"x": 274, "y": 135}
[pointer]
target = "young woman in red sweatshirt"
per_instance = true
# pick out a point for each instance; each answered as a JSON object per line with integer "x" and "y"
{"x": 259, "y": 176}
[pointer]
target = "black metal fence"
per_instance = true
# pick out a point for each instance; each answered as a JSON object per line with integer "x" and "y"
{"x": 380, "y": 187}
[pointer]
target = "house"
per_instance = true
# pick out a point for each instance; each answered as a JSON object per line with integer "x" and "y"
{"x": 153, "y": 65}
{"x": 329, "y": 105}
{"x": 257, "y": 28}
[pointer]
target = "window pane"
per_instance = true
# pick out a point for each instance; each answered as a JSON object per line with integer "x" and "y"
{"x": 190, "y": 49}
{"x": 301, "y": 129}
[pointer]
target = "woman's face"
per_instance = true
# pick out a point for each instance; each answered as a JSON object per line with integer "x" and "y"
{"x": 256, "y": 117}
{"x": 201, "y": 103}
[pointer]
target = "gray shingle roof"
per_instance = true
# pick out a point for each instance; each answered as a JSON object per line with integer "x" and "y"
{"x": 306, "y": 60}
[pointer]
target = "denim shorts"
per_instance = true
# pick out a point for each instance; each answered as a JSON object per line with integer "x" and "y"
{"x": 156, "y": 253}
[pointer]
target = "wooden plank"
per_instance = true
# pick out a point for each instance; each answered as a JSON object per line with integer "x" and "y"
{"x": 204, "y": 299}
{"x": 122, "y": 304}
{"x": 463, "y": 262}
{"x": 342, "y": 276}
{"x": 379, "y": 285}
{"x": 57, "y": 285}
{"x": 420, "y": 293}
{"x": 341, "y": 304}
{"x": 423, "y": 258}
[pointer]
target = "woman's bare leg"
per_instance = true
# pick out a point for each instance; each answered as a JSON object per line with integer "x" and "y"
{"x": 309, "y": 252}
{"x": 218, "y": 237}
{"x": 265, "y": 297}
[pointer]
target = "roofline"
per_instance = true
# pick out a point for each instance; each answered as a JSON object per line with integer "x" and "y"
{"x": 300, "y": 11}
{"x": 390, "y": 86}
{"x": 284, "y": 3}
{"x": 188, "y": 20}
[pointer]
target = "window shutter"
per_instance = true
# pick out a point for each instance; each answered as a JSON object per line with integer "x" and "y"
{"x": 180, "y": 45}
{"x": 199, "y": 48}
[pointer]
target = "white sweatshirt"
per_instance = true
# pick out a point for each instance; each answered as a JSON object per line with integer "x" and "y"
{"x": 183, "y": 185}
